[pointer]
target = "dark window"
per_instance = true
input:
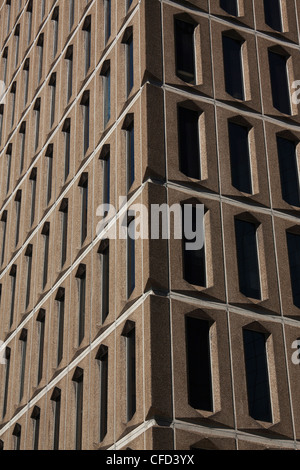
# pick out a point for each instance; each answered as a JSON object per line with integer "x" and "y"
{"x": 13, "y": 276}
{"x": 17, "y": 44}
{"x": 28, "y": 255}
{"x": 102, "y": 358}
{"x": 52, "y": 84}
{"x": 67, "y": 136}
{"x": 56, "y": 399}
{"x": 71, "y": 13}
{"x": 130, "y": 155}
{"x": 55, "y": 18}
{"x": 85, "y": 102}
{"x": 230, "y": 6}
{"x": 240, "y": 157}
{"x": 78, "y": 380}
{"x": 49, "y": 156}
{"x": 8, "y": 157}
{"x": 22, "y": 150}
{"x": 293, "y": 243}
{"x": 194, "y": 265}
{"x": 106, "y": 96}
{"x": 130, "y": 338}
{"x": 46, "y": 234}
{"x": 273, "y": 14}
{"x": 60, "y": 298}
{"x": 247, "y": 257}
{"x": 32, "y": 178}
{"x": 4, "y": 227}
{"x": 40, "y": 45}
{"x": 199, "y": 364}
{"x": 87, "y": 44}
{"x": 257, "y": 375}
{"x": 106, "y": 179}
{"x": 23, "y": 341}
{"x": 233, "y": 70}
{"x": 279, "y": 82}
{"x": 128, "y": 4}
{"x": 83, "y": 184}
{"x": 26, "y": 80}
{"x": 81, "y": 277}
{"x": 29, "y": 14}
{"x": 289, "y": 175}
{"x": 130, "y": 257}
{"x": 41, "y": 332}
{"x": 104, "y": 257}
{"x": 35, "y": 416}
{"x": 129, "y": 65}
{"x": 18, "y": 200}
{"x": 13, "y": 92}
{"x": 17, "y": 437}
{"x": 7, "y": 371}
{"x": 189, "y": 145}
{"x": 69, "y": 59}
{"x": 37, "y": 109}
{"x": 64, "y": 230}
{"x": 185, "y": 50}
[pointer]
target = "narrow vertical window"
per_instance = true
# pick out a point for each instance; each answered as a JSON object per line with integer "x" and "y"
{"x": 4, "y": 61}
{"x": 102, "y": 358}
{"x": 240, "y": 157}
{"x": 64, "y": 230}
{"x": 129, "y": 63}
{"x": 56, "y": 400}
{"x": 6, "y": 385}
{"x": 29, "y": 20}
{"x": 35, "y": 416}
{"x": 8, "y": 13}
{"x": 128, "y": 127}
{"x": 83, "y": 184}
{"x": 17, "y": 44}
{"x": 28, "y": 255}
{"x": 194, "y": 262}
{"x": 4, "y": 228}
{"x": 37, "y": 110}
{"x": 22, "y": 145}
{"x": 130, "y": 256}
{"x": 105, "y": 72}
{"x": 199, "y": 364}
{"x": 81, "y": 279}
{"x": 259, "y": 401}
{"x": 85, "y": 103}
{"x": 46, "y": 234}
{"x": 279, "y": 82}
{"x": 293, "y": 245}
{"x": 69, "y": 59}
{"x": 41, "y": 342}
{"x": 26, "y": 80}
{"x": 128, "y": 5}
{"x": 23, "y": 343}
{"x": 87, "y": 44}
{"x": 273, "y": 14}
{"x": 42, "y": 8}
{"x": 52, "y": 85}
{"x": 1, "y": 120}
{"x": 247, "y": 257}
{"x": 185, "y": 50}
{"x": 55, "y": 19}
{"x": 289, "y": 173}
{"x": 13, "y": 92}
{"x": 32, "y": 179}
{"x": 49, "y": 156}
{"x": 105, "y": 158}
{"x": 230, "y": 6}
{"x": 107, "y": 20}
{"x": 17, "y": 437}
{"x": 189, "y": 144}
{"x": 60, "y": 298}
{"x": 67, "y": 141}
{"x": 18, "y": 200}
{"x": 233, "y": 69}
{"x": 13, "y": 277}
{"x": 71, "y": 13}
{"x": 8, "y": 159}
{"x": 104, "y": 259}
{"x": 40, "y": 45}
{"x": 78, "y": 382}
{"x": 130, "y": 344}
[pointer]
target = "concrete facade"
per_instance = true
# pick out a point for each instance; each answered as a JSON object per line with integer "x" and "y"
{"x": 161, "y": 298}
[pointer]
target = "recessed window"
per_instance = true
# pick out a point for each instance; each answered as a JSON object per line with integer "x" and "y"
{"x": 106, "y": 95}
{"x": 185, "y": 50}
{"x": 46, "y": 235}
{"x": 71, "y": 13}
{"x": 81, "y": 280}
{"x": 26, "y": 80}
{"x": 130, "y": 256}
{"x": 23, "y": 343}
{"x": 49, "y": 164}
{"x": 230, "y": 6}
{"x": 18, "y": 200}
{"x": 56, "y": 400}
{"x": 35, "y": 416}
{"x": 37, "y": 110}
{"x": 102, "y": 358}
{"x": 40, "y": 45}
{"x": 85, "y": 103}
{"x": 22, "y": 133}
{"x": 6, "y": 385}
{"x": 13, "y": 279}
{"x": 240, "y": 157}
{"x": 4, "y": 228}
{"x": 129, "y": 334}
{"x": 189, "y": 144}
{"x": 64, "y": 209}
{"x": 29, "y": 16}
{"x": 78, "y": 382}
{"x": 84, "y": 184}
{"x": 41, "y": 342}
{"x": 233, "y": 68}
{"x": 257, "y": 376}
{"x": 273, "y": 16}
{"x": 60, "y": 298}
{"x": 8, "y": 161}
{"x": 129, "y": 70}
{"x": 69, "y": 59}
{"x": 52, "y": 85}
{"x": 55, "y": 18}
{"x": 104, "y": 260}
{"x": 247, "y": 257}
{"x": 32, "y": 178}
{"x": 279, "y": 82}
{"x": 87, "y": 44}
{"x": 17, "y": 437}
{"x": 107, "y": 20}
{"x": 289, "y": 174}
{"x": 293, "y": 245}
{"x": 194, "y": 263}
{"x": 199, "y": 364}
{"x": 28, "y": 256}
